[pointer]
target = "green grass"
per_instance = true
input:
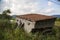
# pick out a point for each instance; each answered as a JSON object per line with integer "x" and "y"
{"x": 57, "y": 23}
{"x": 19, "y": 34}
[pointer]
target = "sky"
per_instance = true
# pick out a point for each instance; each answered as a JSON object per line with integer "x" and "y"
{"x": 19, "y": 7}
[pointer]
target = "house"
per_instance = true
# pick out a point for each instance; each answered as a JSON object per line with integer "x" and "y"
{"x": 35, "y": 22}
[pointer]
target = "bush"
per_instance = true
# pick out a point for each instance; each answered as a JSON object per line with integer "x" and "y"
{"x": 5, "y": 24}
{"x": 58, "y": 19}
{"x": 9, "y": 31}
{"x": 6, "y": 28}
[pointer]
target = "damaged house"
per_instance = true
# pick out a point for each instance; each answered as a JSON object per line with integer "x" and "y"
{"x": 35, "y": 22}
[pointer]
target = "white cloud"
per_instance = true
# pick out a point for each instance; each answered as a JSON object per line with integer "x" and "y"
{"x": 49, "y": 10}
{"x": 25, "y": 6}
{"x": 50, "y": 3}
{"x": 21, "y": 6}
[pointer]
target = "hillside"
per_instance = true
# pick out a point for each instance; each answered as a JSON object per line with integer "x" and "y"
{"x": 58, "y": 16}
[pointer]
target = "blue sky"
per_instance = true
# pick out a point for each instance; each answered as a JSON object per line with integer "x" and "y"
{"x": 18, "y": 7}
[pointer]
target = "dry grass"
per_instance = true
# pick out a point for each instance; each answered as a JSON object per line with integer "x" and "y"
{"x": 57, "y": 23}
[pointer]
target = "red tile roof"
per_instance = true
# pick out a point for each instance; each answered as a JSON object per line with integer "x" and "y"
{"x": 35, "y": 17}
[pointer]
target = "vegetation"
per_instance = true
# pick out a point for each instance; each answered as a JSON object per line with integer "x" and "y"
{"x": 5, "y": 14}
{"x": 57, "y": 23}
{"x": 9, "y": 31}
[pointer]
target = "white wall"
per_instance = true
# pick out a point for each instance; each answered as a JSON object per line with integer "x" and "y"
{"x": 27, "y": 27}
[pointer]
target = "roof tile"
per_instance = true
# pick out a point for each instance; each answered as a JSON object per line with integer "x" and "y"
{"x": 35, "y": 17}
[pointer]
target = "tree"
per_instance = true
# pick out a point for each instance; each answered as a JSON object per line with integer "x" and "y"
{"x": 5, "y": 14}
{"x": 0, "y": 16}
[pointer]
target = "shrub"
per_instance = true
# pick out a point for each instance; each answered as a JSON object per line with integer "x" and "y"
{"x": 9, "y": 31}
{"x": 5, "y": 24}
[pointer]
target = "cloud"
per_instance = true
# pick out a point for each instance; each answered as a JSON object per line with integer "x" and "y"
{"x": 49, "y": 10}
{"x": 25, "y": 6}
{"x": 4, "y": 5}
{"x": 50, "y": 3}
{"x": 21, "y": 6}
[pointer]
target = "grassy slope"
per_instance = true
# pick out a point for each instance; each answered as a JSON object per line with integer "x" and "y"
{"x": 57, "y": 23}
{"x": 19, "y": 34}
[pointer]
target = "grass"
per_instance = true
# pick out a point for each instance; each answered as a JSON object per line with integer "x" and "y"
{"x": 19, "y": 34}
{"x": 57, "y": 23}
